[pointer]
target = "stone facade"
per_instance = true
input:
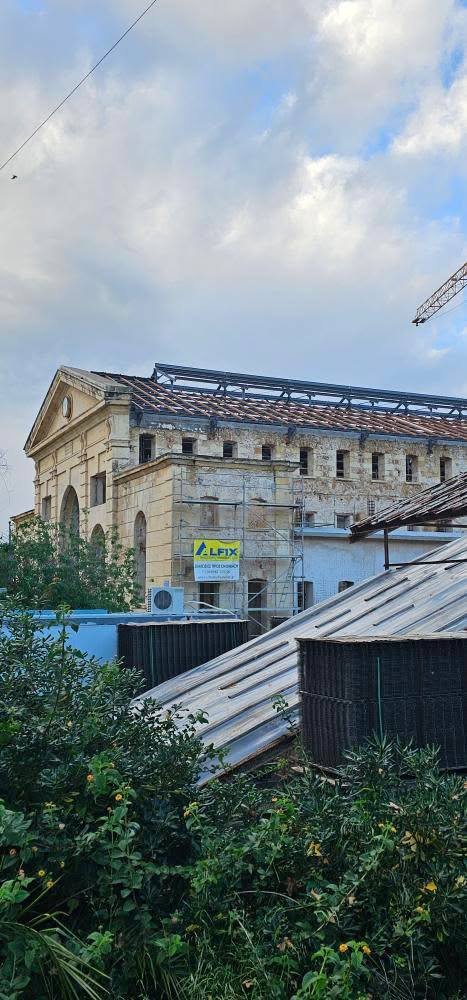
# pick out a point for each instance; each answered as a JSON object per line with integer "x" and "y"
{"x": 165, "y": 479}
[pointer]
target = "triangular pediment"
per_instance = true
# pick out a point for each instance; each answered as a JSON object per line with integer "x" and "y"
{"x": 73, "y": 394}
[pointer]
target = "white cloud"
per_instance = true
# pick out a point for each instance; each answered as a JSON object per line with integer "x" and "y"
{"x": 211, "y": 203}
{"x": 439, "y": 125}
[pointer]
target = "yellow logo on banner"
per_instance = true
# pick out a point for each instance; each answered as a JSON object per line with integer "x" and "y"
{"x": 213, "y": 550}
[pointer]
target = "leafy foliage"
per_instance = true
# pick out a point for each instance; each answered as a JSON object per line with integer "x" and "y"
{"x": 349, "y": 888}
{"x": 120, "y": 877}
{"x": 47, "y": 566}
{"x": 91, "y": 819}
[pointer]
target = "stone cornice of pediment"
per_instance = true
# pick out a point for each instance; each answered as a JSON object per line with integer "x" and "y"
{"x": 110, "y": 394}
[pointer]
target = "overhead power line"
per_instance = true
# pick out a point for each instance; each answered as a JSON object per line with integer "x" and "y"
{"x": 80, "y": 84}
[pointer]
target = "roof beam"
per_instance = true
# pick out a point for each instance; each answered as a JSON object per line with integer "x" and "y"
{"x": 183, "y": 379}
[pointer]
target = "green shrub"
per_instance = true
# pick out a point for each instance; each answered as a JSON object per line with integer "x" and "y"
{"x": 92, "y": 832}
{"x": 351, "y": 888}
{"x": 46, "y": 566}
{"x": 121, "y": 878}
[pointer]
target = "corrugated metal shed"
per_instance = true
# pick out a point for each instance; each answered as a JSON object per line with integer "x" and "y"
{"x": 443, "y": 501}
{"x": 237, "y": 689}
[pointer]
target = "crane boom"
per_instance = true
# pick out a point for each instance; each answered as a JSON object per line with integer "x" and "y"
{"x": 451, "y": 287}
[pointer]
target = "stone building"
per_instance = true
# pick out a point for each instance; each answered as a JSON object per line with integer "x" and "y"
{"x": 280, "y": 466}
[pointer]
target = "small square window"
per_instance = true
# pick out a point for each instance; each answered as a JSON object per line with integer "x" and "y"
{"x": 98, "y": 489}
{"x": 228, "y": 449}
{"x": 342, "y": 464}
{"x": 46, "y": 508}
{"x": 342, "y": 520}
{"x": 146, "y": 448}
{"x": 266, "y": 453}
{"x": 188, "y": 446}
{"x": 344, "y": 585}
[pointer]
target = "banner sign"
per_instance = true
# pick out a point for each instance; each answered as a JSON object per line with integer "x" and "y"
{"x": 216, "y": 560}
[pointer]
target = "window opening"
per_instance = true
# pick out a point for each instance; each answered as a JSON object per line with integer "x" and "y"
{"x": 342, "y": 464}
{"x": 410, "y": 468}
{"x": 98, "y": 489}
{"x": 209, "y": 594}
{"x": 445, "y": 469}
{"x": 188, "y": 446}
{"x": 377, "y": 465}
{"x": 46, "y": 508}
{"x": 342, "y": 520}
{"x": 304, "y": 461}
{"x": 146, "y": 448}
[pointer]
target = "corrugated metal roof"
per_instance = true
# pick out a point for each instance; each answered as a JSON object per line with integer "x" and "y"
{"x": 443, "y": 501}
{"x": 237, "y": 690}
{"x": 153, "y": 397}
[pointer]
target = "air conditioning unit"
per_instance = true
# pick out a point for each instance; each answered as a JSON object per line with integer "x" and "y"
{"x": 166, "y": 600}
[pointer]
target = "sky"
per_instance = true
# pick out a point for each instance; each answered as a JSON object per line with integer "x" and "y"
{"x": 269, "y": 186}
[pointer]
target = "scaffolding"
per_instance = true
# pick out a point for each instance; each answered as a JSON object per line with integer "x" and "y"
{"x": 259, "y": 510}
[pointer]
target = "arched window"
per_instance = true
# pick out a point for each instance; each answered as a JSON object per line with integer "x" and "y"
{"x": 257, "y": 514}
{"x": 209, "y": 512}
{"x": 69, "y": 511}
{"x": 98, "y": 541}
{"x": 140, "y": 553}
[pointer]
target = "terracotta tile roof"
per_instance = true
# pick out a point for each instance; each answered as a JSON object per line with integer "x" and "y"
{"x": 153, "y": 397}
{"x": 444, "y": 501}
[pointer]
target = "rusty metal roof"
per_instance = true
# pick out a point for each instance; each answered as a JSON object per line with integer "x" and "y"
{"x": 444, "y": 501}
{"x": 238, "y": 689}
{"x": 298, "y": 404}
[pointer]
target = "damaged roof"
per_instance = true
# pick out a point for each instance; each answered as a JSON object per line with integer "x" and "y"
{"x": 238, "y": 689}
{"x": 441, "y": 502}
{"x": 256, "y": 399}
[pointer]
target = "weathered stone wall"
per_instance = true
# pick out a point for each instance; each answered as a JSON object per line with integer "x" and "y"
{"x": 179, "y": 497}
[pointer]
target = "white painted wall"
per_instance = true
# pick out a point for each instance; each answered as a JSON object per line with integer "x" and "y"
{"x": 329, "y": 557}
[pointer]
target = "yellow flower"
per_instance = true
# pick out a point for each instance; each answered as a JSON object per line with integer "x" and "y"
{"x": 314, "y": 850}
{"x": 49, "y": 884}
{"x": 420, "y": 909}
{"x": 34, "y": 850}
{"x": 366, "y": 950}
{"x": 62, "y": 864}
{"x": 460, "y": 881}
{"x": 118, "y": 798}
{"x": 41, "y": 873}
{"x": 343, "y": 948}
{"x": 89, "y": 777}
{"x": 431, "y": 887}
